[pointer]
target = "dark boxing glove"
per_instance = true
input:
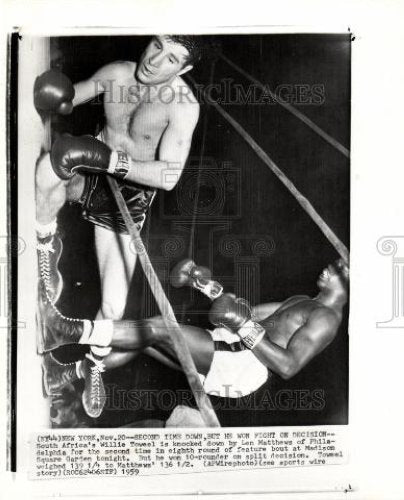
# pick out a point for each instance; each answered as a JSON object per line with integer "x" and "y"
{"x": 235, "y": 315}
{"x": 229, "y": 312}
{"x": 53, "y": 91}
{"x": 187, "y": 273}
{"x": 86, "y": 154}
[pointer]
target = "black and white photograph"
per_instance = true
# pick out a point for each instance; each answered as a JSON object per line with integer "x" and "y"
{"x": 192, "y": 214}
{"x": 201, "y": 254}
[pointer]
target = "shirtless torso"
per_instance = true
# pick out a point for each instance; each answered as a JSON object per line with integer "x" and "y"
{"x": 293, "y": 314}
{"x": 299, "y": 328}
{"x": 143, "y": 114}
{"x": 153, "y": 124}
{"x": 152, "y": 120}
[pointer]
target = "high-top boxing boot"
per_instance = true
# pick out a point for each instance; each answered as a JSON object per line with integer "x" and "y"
{"x": 58, "y": 330}
{"x": 93, "y": 397}
{"x": 49, "y": 250}
{"x": 56, "y": 375}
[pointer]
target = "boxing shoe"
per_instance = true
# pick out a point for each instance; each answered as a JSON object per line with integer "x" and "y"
{"x": 49, "y": 251}
{"x": 56, "y": 375}
{"x": 94, "y": 396}
{"x": 57, "y": 330}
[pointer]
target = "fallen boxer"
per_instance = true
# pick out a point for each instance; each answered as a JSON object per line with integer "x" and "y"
{"x": 232, "y": 359}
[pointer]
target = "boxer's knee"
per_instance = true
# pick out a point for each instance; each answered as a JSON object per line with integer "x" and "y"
{"x": 111, "y": 309}
{"x": 159, "y": 330}
{"x": 50, "y": 191}
{"x": 75, "y": 188}
{"x": 48, "y": 203}
{"x": 116, "y": 359}
{"x": 45, "y": 177}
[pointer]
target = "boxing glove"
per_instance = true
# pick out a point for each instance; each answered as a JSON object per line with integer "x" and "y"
{"x": 86, "y": 154}
{"x": 235, "y": 315}
{"x": 187, "y": 273}
{"x": 53, "y": 91}
{"x": 229, "y": 312}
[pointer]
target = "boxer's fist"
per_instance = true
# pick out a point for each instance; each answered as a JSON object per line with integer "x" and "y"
{"x": 53, "y": 91}
{"x": 84, "y": 153}
{"x": 187, "y": 273}
{"x": 229, "y": 312}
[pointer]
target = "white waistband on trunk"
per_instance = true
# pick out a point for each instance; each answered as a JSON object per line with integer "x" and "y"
{"x": 233, "y": 374}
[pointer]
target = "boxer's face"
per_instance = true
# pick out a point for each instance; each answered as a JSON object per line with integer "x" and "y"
{"x": 332, "y": 277}
{"x": 162, "y": 61}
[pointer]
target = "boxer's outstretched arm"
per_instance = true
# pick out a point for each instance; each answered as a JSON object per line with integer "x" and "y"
{"x": 103, "y": 80}
{"x": 165, "y": 172}
{"x": 306, "y": 343}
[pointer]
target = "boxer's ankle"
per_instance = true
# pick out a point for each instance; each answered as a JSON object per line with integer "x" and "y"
{"x": 45, "y": 229}
{"x": 99, "y": 335}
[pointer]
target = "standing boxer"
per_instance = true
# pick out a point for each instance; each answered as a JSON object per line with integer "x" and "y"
{"x": 150, "y": 116}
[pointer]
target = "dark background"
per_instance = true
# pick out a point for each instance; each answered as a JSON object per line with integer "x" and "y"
{"x": 246, "y": 226}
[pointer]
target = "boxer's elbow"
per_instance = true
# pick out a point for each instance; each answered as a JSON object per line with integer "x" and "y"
{"x": 289, "y": 369}
{"x": 286, "y": 373}
{"x": 168, "y": 186}
{"x": 171, "y": 176}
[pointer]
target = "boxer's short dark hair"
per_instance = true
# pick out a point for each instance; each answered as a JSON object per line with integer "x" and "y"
{"x": 342, "y": 269}
{"x": 192, "y": 43}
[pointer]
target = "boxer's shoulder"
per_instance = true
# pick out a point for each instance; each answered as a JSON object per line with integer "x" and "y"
{"x": 185, "y": 96}
{"x": 323, "y": 322}
{"x": 120, "y": 69}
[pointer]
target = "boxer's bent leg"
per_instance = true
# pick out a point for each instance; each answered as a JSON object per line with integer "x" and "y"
{"x": 116, "y": 359}
{"x": 50, "y": 191}
{"x": 75, "y": 187}
{"x": 153, "y": 332}
{"x": 116, "y": 262}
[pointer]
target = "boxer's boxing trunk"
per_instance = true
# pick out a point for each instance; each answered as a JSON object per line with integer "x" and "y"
{"x": 100, "y": 208}
{"x": 99, "y": 205}
{"x": 235, "y": 371}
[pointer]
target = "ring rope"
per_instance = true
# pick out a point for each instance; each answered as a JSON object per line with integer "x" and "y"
{"x": 302, "y": 200}
{"x": 342, "y": 149}
{"x": 181, "y": 349}
{"x": 198, "y": 182}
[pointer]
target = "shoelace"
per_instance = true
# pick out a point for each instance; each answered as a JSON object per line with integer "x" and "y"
{"x": 44, "y": 268}
{"x": 44, "y": 250}
{"x": 96, "y": 380}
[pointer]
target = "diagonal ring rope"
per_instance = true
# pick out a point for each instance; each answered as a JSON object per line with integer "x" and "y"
{"x": 302, "y": 200}
{"x": 180, "y": 345}
{"x": 318, "y": 130}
